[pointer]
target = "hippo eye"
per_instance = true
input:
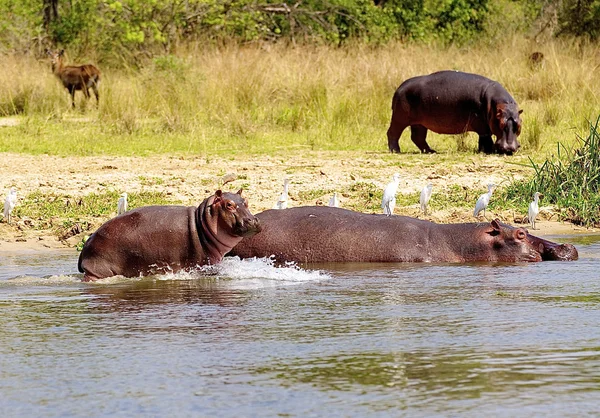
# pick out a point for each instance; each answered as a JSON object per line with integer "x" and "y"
{"x": 502, "y": 123}
{"x": 231, "y": 205}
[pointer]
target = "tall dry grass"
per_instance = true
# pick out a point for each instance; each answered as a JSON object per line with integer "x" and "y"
{"x": 271, "y": 98}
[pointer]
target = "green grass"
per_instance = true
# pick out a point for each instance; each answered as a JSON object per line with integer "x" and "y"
{"x": 245, "y": 100}
{"x": 60, "y": 211}
{"x": 570, "y": 179}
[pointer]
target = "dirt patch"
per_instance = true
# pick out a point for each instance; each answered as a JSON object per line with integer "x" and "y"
{"x": 314, "y": 176}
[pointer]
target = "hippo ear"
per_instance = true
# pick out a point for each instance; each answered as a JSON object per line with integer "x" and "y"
{"x": 240, "y": 192}
{"x": 496, "y": 224}
{"x": 218, "y": 196}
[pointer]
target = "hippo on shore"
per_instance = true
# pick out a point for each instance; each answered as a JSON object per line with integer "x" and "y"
{"x": 315, "y": 234}
{"x": 453, "y": 102}
{"x": 160, "y": 239}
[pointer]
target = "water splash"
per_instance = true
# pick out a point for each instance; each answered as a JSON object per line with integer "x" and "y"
{"x": 265, "y": 268}
{"x": 251, "y": 273}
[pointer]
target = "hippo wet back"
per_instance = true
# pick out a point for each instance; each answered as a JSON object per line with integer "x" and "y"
{"x": 453, "y": 102}
{"x": 159, "y": 239}
{"x": 315, "y": 234}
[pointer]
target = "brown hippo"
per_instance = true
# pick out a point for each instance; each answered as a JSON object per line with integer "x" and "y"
{"x": 159, "y": 239}
{"x": 315, "y": 234}
{"x": 452, "y": 102}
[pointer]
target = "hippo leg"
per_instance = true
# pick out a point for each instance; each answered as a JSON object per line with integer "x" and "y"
{"x": 393, "y": 134}
{"x": 418, "y": 134}
{"x": 486, "y": 144}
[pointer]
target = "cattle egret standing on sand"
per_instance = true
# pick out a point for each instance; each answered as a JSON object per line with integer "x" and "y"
{"x": 534, "y": 209}
{"x": 9, "y": 203}
{"x": 122, "y": 204}
{"x": 388, "y": 203}
{"x": 483, "y": 201}
{"x": 283, "y": 198}
{"x": 425, "y": 196}
{"x": 334, "y": 202}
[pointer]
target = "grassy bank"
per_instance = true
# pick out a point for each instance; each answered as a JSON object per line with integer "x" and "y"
{"x": 254, "y": 103}
{"x": 270, "y": 99}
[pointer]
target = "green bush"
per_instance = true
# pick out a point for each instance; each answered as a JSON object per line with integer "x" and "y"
{"x": 570, "y": 180}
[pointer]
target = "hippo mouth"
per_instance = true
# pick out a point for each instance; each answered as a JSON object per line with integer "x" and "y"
{"x": 505, "y": 149}
{"x": 560, "y": 252}
{"x": 247, "y": 228}
{"x": 551, "y": 251}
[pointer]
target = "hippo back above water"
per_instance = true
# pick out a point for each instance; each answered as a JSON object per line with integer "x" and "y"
{"x": 160, "y": 239}
{"x": 316, "y": 234}
{"x": 453, "y": 102}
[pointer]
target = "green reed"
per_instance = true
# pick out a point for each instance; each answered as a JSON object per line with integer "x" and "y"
{"x": 570, "y": 179}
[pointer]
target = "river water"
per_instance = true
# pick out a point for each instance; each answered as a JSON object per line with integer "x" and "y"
{"x": 251, "y": 339}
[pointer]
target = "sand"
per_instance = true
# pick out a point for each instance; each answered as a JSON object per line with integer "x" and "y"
{"x": 314, "y": 176}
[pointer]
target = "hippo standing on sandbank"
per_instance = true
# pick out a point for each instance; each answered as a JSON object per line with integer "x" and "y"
{"x": 453, "y": 102}
{"x": 316, "y": 234}
{"x": 160, "y": 239}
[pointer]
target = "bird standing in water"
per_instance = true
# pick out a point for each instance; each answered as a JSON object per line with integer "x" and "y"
{"x": 483, "y": 201}
{"x": 388, "y": 203}
{"x": 9, "y": 203}
{"x": 534, "y": 209}
{"x": 334, "y": 202}
{"x": 122, "y": 204}
{"x": 283, "y": 198}
{"x": 425, "y": 196}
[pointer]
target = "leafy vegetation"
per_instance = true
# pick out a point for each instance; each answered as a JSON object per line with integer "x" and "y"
{"x": 128, "y": 31}
{"x": 570, "y": 179}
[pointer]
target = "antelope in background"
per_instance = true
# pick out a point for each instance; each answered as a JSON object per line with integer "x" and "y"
{"x": 76, "y": 77}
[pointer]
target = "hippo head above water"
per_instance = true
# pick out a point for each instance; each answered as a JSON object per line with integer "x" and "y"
{"x": 231, "y": 211}
{"x": 506, "y": 125}
{"x": 516, "y": 244}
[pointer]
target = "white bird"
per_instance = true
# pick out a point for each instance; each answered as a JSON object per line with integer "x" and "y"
{"x": 334, "y": 202}
{"x": 122, "y": 204}
{"x": 534, "y": 209}
{"x": 483, "y": 201}
{"x": 425, "y": 196}
{"x": 283, "y": 198}
{"x": 9, "y": 203}
{"x": 388, "y": 203}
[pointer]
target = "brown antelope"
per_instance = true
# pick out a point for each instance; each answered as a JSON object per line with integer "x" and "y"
{"x": 76, "y": 77}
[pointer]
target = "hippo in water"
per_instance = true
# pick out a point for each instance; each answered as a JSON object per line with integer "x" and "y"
{"x": 315, "y": 234}
{"x": 452, "y": 102}
{"x": 159, "y": 239}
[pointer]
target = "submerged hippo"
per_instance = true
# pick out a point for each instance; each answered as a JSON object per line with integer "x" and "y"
{"x": 159, "y": 239}
{"x": 314, "y": 234}
{"x": 452, "y": 102}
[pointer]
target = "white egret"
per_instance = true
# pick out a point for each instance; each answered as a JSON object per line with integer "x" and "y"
{"x": 334, "y": 201}
{"x": 388, "y": 203}
{"x": 283, "y": 198}
{"x": 534, "y": 209}
{"x": 425, "y": 196}
{"x": 122, "y": 204}
{"x": 483, "y": 201}
{"x": 9, "y": 203}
